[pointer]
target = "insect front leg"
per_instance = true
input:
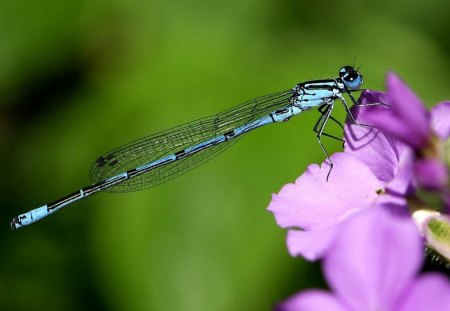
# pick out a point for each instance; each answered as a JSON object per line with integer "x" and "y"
{"x": 349, "y": 113}
{"x": 355, "y": 102}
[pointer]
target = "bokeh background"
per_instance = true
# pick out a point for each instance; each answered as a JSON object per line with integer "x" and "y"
{"x": 78, "y": 78}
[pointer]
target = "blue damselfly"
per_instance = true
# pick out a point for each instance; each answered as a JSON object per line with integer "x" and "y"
{"x": 158, "y": 158}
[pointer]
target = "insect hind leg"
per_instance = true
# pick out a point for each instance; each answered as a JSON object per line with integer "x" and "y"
{"x": 323, "y": 110}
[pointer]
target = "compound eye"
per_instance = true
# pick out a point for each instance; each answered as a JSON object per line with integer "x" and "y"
{"x": 350, "y": 77}
{"x": 344, "y": 71}
{"x": 353, "y": 82}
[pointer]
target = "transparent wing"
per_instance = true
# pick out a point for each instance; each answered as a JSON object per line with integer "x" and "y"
{"x": 167, "y": 142}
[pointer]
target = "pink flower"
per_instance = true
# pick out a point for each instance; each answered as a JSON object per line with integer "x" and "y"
{"x": 372, "y": 265}
{"x": 375, "y": 169}
{"x": 408, "y": 121}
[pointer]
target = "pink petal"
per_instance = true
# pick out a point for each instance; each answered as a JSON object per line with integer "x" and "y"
{"x": 380, "y": 152}
{"x": 440, "y": 119}
{"x": 431, "y": 173}
{"x": 312, "y": 244}
{"x": 430, "y": 292}
{"x": 373, "y": 258}
{"x": 312, "y": 202}
{"x": 393, "y": 125}
{"x": 408, "y": 107}
{"x": 312, "y": 300}
{"x": 369, "y": 97}
{"x": 388, "y": 158}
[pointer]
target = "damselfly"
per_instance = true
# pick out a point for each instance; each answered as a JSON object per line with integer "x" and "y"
{"x": 158, "y": 158}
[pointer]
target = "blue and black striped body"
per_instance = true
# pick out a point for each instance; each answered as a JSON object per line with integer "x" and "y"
{"x": 158, "y": 158}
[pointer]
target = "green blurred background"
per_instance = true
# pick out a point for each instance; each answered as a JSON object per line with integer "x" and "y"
{"x": 78, "y": 78}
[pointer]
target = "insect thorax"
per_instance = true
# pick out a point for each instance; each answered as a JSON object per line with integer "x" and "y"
{"x": 315, "y": 93}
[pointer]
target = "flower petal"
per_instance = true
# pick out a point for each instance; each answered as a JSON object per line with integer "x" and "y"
{"x": 406, "y": 119}
{"x": 380, "y": 152}
{"x": 369, "y": 97}
{"x": 391, "y": 124}
{"x": 440, "y": 116}
{"x": 408, "y": 108}
{"x": 429, "y": 292}
{"x": 431, "y": 173}
{"x": 311, "y": 244}
{"x": 403, "y": 181}
{"x": 312, "y": 202}
{"x": 388, "y": 158}
{"x": 373, "y": 258}
{"x": 312, "y": 300}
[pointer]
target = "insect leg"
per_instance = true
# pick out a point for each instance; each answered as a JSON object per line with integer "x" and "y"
{"x": 349, "y": 113}
{"x": 323, "y": 110}
{"x": 319, "y": 127}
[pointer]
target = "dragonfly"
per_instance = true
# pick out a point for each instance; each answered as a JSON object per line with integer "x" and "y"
{"x": 158, "y": 158}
